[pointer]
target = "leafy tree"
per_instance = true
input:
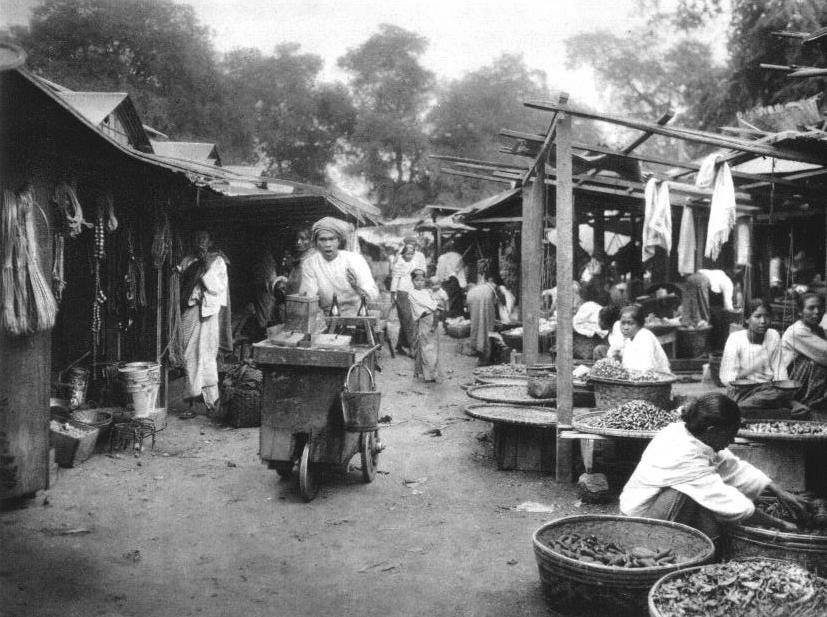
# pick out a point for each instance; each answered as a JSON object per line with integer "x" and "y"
{"x": 391, "y": 90}
{"x": 297, "y": 122}
{"x": 154, "y": 49}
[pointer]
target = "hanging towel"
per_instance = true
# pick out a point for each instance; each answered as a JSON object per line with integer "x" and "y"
{"x": 687, "y": 243}
{"x": 657, "y": 220}
{"x": 722, "y": 208}
{"x": 743, "y": 242}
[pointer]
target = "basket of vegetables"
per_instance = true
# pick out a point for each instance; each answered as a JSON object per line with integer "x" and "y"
{"x": 636, "y": 419}
{"x": 615, "y": 385}
{"x": 606, "y": 564}
{"x": 741, "y": 588}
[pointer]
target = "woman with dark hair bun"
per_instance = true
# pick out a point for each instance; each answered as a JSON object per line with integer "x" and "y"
{"x": 804, "y": 353}
{"x": 635, "y": 347}
{"x": 688, "y": 475}
{"x": 752, "y": 357}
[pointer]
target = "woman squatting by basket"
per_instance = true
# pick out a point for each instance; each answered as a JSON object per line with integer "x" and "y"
{"x": 687, "y": 473}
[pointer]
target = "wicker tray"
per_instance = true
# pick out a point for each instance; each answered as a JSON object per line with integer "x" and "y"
{"x": 500, "y": 370}
{"x": 514, "y": 414}
{"x": 513, "y": 395}
{"x": 747, "y": 434}
{"x": 581, "y": 423}
{"x": 504, "y": 381}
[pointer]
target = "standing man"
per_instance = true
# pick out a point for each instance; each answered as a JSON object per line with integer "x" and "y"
{"x": 331, "y": 271}
{"x": 203, "y": 296}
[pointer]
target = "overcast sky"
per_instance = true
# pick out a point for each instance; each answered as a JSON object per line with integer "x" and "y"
{"x": 463, "y": 34}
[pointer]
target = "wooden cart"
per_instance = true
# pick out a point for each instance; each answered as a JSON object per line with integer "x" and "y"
{"x": 301, "y": 410}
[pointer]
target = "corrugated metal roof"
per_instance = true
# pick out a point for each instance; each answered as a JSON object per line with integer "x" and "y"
{"x": 94, "y": 106}
{"x": 202, "y": 152}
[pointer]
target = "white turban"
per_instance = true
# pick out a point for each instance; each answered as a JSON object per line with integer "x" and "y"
{"x": 336, "y": 226}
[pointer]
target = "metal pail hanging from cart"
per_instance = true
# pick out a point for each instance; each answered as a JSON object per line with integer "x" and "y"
{"x": 360, "y": 409}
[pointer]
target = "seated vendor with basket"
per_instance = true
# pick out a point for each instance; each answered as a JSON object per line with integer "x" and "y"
{"x": 688, "y": 475}
{"x": 751, "y": 366}
{"x": 635, "y": 347}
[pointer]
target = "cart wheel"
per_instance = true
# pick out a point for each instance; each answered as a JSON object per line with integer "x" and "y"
{"x": 284, "y": 470}
{"x": 308, "y": 483}
{"x": 367, "y": 446}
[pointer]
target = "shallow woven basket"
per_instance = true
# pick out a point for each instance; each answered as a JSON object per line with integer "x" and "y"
{"x": 583, "y": 424}
{"x": 511, "y": 395}
{"x": 748, "y": 434}
{"x": 609, "y": 590}
{"x": 611, "y": 393}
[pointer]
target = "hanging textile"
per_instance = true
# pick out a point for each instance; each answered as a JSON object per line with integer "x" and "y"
{"x": 657, "y": 220}
{"x": 742, "y": 242}
{"x": 722, "y": 207}
{"x": 687, "y": 244}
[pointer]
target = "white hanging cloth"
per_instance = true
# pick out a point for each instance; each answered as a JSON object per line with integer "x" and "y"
{"x": 722, "y": 207}
{"x": 657, "y": 220}
{"x": 687, "y": 243}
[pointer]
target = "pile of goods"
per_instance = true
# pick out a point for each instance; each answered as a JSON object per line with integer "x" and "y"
{"x": 590, "y": 549}
{"x": 636, "y": 416}
{"x": 785, "y": 428}
{"x": 814, "y": 521}
{"x": 607, "y": 368}
{"x": 70, "y": 430}
{"x": 501, "y": 370}
{"x": 740, "y": 589}
{"x": 547, "y": 326}
{"x": 241, "y": 395}
{"x": 653, "y": 321}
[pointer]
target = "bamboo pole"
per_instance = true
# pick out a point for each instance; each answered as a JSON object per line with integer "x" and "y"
{"x": 690, "y": 135}
{"x": 565, "y": 262}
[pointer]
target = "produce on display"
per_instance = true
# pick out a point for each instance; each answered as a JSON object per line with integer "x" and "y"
{"x": 754, "y": 588}
{"x": 636, "y": 416}
{"x": 785, "y": 428}
{"x": 653, "y": 321}
{"x": 591, "y": 549}
{"x": 547, "y": 326}
{"x": 607, "y": 368}
{"x": 814, "y": 521}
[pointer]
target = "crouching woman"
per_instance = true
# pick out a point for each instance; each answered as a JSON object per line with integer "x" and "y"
{"x": 688, "y": 475}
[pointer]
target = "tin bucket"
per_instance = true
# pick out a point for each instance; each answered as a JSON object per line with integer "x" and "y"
{"x": 360, "y": 410}
{"x": 77, "y": 381}
{"x": 141, "y": 380}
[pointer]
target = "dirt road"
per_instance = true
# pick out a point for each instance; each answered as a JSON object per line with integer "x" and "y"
{"x": 200, "y": 527}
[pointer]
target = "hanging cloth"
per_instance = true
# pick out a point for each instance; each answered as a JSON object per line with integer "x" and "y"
{"x": 657, "y": 221}
{"x": 743, "y": 242}
{"x": 722, "y": 207}
{"x": 687, "y": 243}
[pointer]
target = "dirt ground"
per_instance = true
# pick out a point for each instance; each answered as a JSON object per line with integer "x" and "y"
{"x": 198, "y": 526}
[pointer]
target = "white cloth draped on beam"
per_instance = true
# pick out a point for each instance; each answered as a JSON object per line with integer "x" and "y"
{"x": 657, "y": 220}
{"x": 722, "y": 206}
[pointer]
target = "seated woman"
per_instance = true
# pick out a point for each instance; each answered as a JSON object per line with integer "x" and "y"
{"x": 635, "y": 347}
{"x": 688, "y": 475}
{"x": 754, "y": 356}
{"x": 804, "y": 353}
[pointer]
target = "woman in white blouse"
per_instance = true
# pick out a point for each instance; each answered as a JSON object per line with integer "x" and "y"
{"x": 752, "y": 358}
{"x": 635, "y": 347}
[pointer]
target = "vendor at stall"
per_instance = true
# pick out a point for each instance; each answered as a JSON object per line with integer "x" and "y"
{"x": 303, "y": 248}
{"x": 586, "y": 320}
{"x": 752, "y": 358}
{"x": 804, "y": 353}
{"x": 635, "y": 347}
{"x": 204, "y": 310}
{"x": 331, "y": 271}
{"x": 687, "y": 473}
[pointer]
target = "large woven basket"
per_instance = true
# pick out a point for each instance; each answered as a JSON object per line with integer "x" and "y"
{"x": 693, "y": 342}
{"x": 597, "y": 589}
{"x": 515, "y": 341}
{"x": 243, "y": 407}
{"x": 611, "y": 393}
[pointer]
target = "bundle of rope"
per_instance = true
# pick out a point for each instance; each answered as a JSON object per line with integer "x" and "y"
{"x": 28, "y": 303}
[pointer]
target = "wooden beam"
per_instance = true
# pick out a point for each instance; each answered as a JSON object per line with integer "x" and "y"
{"x": 565, "y": 293}
{"x": 460, "y": 160}
{"x": 548, "y": 139}
{"x": 691, "y": 135}
{"x": 468, "y": 174}
{"x": 664, "y": 119}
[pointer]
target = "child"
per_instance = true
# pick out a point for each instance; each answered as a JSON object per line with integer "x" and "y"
{"x": 426, "y": 315}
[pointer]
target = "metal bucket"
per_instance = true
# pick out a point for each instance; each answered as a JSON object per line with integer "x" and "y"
{"x": 360, "y": 409}
{"x": 141, "y": 380}
{"x": 77, "y": 381}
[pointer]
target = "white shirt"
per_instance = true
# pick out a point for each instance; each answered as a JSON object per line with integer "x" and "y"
{"x": 720, "y": 283}
{"x": 450, "y": 264}
{"x": 213, "y": 295}
{"x": 586, "y": 320}
{"x": 325, "y": 278}
{"x": 718, "y": 481}
{"x": 740, "y": 354}
{"x": 641, "y": 353}
{"x": 401, "y": 273}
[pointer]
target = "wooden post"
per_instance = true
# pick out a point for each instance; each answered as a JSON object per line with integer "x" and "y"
{"x": 531, "y": 262}
{"x": 565, "y": 260}
{"x": 599, "y": 236}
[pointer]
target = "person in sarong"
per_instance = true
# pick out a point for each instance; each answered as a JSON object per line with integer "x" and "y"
{"x": 752, "y": 357}
{"x": 331, "y": 271}
{"x": 451, "y": 272}
{"x": 635, "y": 347}
{"x": 302, "y": 250}
{"x": 482, "y": 306}
{"x": 401, "y": 286}
{"x": 687, "y": 474}
{"x": 425, "y": 312}
{"x": 204, "y": 307}
{"x": 804, "y": 354}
